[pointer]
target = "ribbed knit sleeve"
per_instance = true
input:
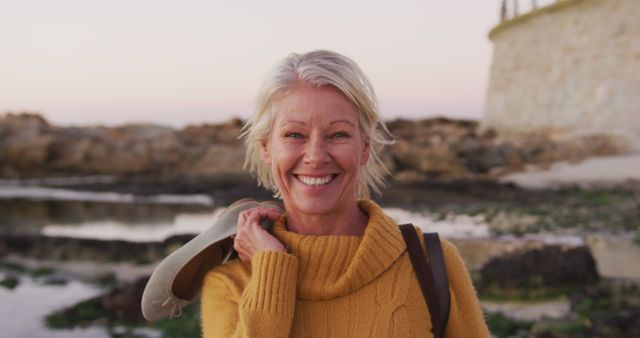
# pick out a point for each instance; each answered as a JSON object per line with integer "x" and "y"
{"x": 264, "y": 308}
{"x": 465, "y": 316}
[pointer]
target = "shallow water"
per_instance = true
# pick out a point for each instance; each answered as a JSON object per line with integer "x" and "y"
{"x": 59, "y": 194}
{"x": 184, "y": 223}
{"x": 23, "y": 308}
{"x": 109, "y": 216}
{"x": 461, "y": 226}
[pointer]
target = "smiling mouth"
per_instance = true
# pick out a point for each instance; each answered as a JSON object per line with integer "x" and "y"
{"x": 315, "y": 181}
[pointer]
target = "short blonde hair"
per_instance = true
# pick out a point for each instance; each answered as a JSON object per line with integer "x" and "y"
{"x": 319, "y": 68}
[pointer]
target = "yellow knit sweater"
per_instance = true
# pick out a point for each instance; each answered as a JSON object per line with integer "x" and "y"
{"x": 335, "y": 286}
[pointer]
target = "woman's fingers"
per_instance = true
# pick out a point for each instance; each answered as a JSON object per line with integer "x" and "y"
{"x": 244, "y": 258}
{"x": 253, "y": 216}
{"x": 251, "y": 237}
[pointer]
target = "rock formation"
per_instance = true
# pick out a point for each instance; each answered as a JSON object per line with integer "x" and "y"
{"x": 30, "y": 147}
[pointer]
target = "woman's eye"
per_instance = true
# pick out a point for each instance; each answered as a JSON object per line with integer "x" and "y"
{"x": 340, "y": 134}
{"x": 293, "y": 135}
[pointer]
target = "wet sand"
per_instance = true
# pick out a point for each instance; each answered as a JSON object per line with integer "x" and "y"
{"x": 596, "y": 171}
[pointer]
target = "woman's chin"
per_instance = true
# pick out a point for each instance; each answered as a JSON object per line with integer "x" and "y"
{"x": 314, "y": 204}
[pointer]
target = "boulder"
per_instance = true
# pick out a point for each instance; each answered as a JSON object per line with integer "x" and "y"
{"x": 218, "y": 160}
{"x": 432, "y": 161}
{"x": 541, "y": 266}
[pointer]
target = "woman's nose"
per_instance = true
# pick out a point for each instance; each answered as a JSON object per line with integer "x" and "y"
{"x": 316, "y": 152}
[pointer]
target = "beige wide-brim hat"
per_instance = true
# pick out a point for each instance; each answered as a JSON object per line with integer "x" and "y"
{"x": 177, "y": 279}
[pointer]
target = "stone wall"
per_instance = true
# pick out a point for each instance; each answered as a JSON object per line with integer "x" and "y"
{"x": 572, "y": 68}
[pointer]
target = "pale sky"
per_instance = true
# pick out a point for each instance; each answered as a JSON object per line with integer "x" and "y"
{"x": 183, "y": 62}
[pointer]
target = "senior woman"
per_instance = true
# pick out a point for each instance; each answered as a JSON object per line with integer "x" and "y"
{"x": 334, "y": 265}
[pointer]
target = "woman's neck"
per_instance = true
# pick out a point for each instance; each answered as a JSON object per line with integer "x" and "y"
{"x": 349, "y": 222}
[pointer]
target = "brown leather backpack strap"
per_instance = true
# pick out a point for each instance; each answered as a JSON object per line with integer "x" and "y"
{"x": 425, "y": 278}
{"x": 436, "y": 258}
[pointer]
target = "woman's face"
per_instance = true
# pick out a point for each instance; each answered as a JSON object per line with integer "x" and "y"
{"x": 315, "y": 149}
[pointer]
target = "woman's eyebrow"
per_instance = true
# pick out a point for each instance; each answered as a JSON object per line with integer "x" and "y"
{"x": 343, "y": 121}
{"x": 291, "y": 121}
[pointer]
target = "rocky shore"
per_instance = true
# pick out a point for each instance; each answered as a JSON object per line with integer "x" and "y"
{"x": 212, "y": 155}
{"x": 555, "y": 263}
{"x": 530, "y": 290}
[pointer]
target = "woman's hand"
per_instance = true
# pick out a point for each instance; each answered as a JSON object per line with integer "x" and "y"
{"x": 251, "y": 237}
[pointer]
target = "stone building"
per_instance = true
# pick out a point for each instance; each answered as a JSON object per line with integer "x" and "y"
{"x": 570, "y": 68}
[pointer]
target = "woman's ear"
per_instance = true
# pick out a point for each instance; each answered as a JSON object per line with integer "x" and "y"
{"x": 265, "y": 151}
{"x": 365, "y": 153}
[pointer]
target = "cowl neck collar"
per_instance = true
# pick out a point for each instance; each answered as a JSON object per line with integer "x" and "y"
{"x": 332, "y": 266}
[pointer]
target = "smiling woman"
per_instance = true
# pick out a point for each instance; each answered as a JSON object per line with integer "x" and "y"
{"x": 315, "y": 151}
{"x": 334, "y": 265}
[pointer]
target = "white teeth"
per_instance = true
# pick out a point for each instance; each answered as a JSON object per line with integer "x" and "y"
{"x": 315, "y": 181}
